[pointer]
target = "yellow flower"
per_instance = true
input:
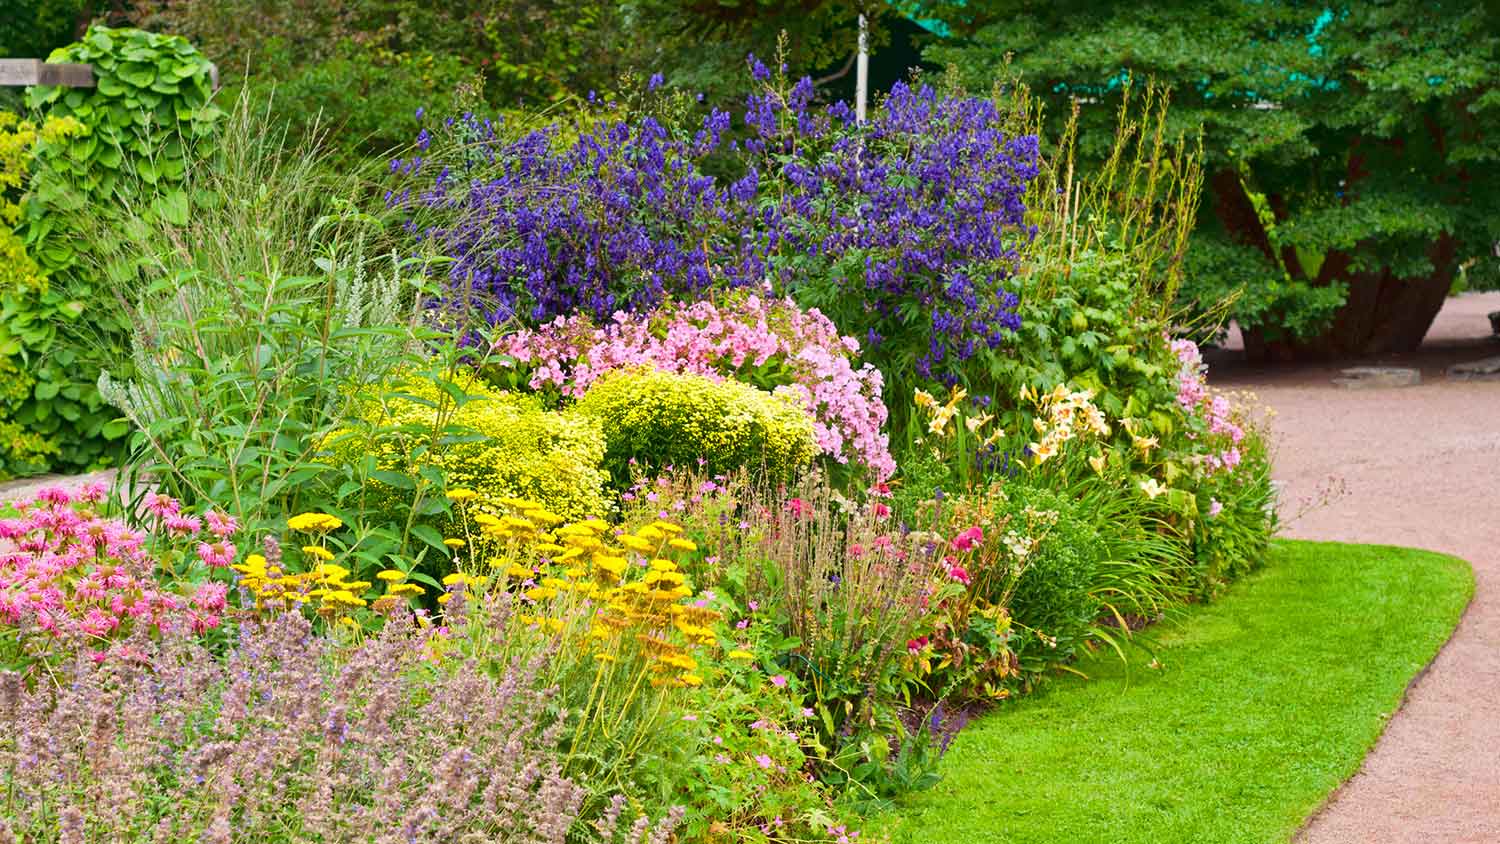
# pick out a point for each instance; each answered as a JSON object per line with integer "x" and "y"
{"x": 314, "y": 522}
{"x": 651, "y": 533}
{"x": 636, "y": 543}
{"x": 462, "y": 494}
{"x": 331, "y": 572}
{"x": 546, "y": 517}
{"x": 515, "y": 570}
{"x": 604, "y": 657}
{"x": 547, "y": 548}
{"x": 1152, "y": 487}
{"x": 596, "y": 525}
{"x": 406, "y": 589}
{"x": 317, "y": 552}
{"x": 744, "y": 656}
{"x": 974, "y": 423}
{"x": 391, "y": 576}
{"x": 541, "y": 593}
{"x": 691, "y": 680}
{"x": 1097, "y": 461}
{"x": 666, "y": 527}
{"x": 682, "y": 544}
{"x": 454, "y": 578}
{"x": 922, "y": 398}
{"x": 453, "y": 543}
{"x": 663, "y": 564}
{"x": 614, "y": 566}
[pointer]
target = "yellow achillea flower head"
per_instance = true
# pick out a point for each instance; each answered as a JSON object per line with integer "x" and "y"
{"x": 742, "y": 655}
{"x": 462, "y": 494}
{"x": 454, "y": 578}
{"x": 391, "y": 576}
{"x": 317, "y": 552}
{"x": 406, "y": 589}
{"x": 682, "y": 544}
{"x": 667, "y": 527}
{"x": 636, "y": 543}
{"x": 314, "y": 522}
{"x": 453, "y": 543}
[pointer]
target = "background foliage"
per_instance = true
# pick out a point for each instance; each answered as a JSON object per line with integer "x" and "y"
{"x": 1350, "y": 153}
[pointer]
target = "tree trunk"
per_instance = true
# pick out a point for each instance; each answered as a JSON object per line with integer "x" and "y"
{"x": 1382, "y": 314}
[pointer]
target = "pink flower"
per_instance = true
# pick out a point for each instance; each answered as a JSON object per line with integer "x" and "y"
{"x": 882, "y": 511}
{"x": 779, "y": 681}
{"x": 915, "y": 646}
{"x": 969, "y": 538}
{"x": 960, "y": 574}
{"x": 217, "y": 555}
{"x": 181, "y": 525}
{"x": 161, "y": 505}
{"x": 221, "y": 524}
{"x": 1214, "y": 507}
{"x": 797, "y": 507}
{"x": 763, "y": 760}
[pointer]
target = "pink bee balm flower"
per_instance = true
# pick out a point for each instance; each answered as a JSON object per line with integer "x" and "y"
{"x": 217, "y": 555}
{"x": 221, "y": 524}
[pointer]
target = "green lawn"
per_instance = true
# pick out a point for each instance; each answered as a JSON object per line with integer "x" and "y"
{"x": 1266, "y": 700}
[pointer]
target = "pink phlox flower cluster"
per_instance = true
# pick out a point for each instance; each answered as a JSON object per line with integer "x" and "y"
{"x": 1195, "y": 397}
{"x": 842, "y": 397}
{"x": 68, "y": 573}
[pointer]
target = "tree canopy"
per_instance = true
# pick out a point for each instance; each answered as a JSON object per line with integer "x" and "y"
{"x": 1353, "y": 151}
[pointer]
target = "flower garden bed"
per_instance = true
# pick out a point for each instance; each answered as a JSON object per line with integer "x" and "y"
{"x": 662, "y": 475}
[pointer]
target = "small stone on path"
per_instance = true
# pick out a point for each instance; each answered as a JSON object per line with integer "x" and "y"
{"x": 1485, "y": 369}
{"x": 1363, "y": 377}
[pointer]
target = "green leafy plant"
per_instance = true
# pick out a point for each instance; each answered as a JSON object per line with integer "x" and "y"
{"x": 657, "y": 419}
{"x": 147, "y": 119}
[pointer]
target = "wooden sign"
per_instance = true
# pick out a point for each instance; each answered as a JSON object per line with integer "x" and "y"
{"x": 38, "y": 72}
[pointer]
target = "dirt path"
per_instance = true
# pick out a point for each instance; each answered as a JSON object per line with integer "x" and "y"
{"x": 1422, "y": 468}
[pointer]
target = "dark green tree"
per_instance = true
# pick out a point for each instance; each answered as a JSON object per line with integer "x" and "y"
{"x": 1352, "y": 149}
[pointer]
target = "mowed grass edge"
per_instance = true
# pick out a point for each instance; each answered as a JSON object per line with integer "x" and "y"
{"x": 1264, "y": 702}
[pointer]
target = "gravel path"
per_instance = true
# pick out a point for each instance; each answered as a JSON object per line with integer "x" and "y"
{"x": 1422, "y": 468}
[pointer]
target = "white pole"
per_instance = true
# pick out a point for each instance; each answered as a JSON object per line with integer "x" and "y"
{"x": 862, "y": 71}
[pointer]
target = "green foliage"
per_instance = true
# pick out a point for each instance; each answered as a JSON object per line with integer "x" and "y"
{"x": 500, "y": 445}
{"x": 656, "y": 419}
{"x": 1346, "y": 149}
{"x": 1054, "y": 604}
{"x": 357, "y": 72}
{"x": 146, "y": 120}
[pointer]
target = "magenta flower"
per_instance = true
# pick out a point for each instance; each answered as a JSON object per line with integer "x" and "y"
{"x": 779, "y": 681}
{"x": 969, "y": 539}
{"x": 217, "y": 555}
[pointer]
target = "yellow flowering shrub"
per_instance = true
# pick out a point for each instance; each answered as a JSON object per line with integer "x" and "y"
{"x": 547, "y": 456}
{"x": 660, "y": 418}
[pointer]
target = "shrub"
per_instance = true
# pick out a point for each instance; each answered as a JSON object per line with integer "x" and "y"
{"x": 147, "y": 119}
{"x": 769, "y": 343}
{"x": 903, "y": 230}
{"x": 500, "y": 445}
{"x": 657, "y": 419}
{"x": 28, "y": 445}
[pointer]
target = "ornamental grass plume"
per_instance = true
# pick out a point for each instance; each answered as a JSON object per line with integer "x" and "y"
{"x": 285, "y": 738}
